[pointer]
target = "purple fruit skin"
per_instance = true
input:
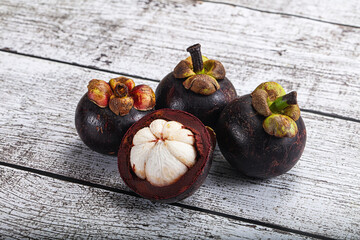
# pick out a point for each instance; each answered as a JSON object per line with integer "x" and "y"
{"x": 249, "y": 149}
{"x": 100, "y": 129}
{"x": 171, "y": 93}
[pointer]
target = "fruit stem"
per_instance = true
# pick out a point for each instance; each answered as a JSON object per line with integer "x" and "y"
{"x": 196, "y": 57}
{"x": 121, "y": 90}
{"x": 284, "y": 101}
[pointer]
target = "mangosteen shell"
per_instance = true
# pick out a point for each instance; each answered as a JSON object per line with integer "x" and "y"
{"x": 170, "y": 93}
{"x": 249, "y": 149}
{"x": 101, "y": 129}
{"x": 187, "y": 184}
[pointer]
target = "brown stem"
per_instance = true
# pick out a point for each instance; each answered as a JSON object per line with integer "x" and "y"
{"x": 121, "y": 90}
{"x": 290, "y": 98}
{"x": 284, "y": 101}
{"x": 196, "y": 57}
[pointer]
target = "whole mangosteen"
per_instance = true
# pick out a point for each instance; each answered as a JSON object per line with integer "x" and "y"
{"x": 262, "y": 134}
{"x": 198, "y": 86}
{"x": 166, "y": 155}
{"x": 107, "y": 110}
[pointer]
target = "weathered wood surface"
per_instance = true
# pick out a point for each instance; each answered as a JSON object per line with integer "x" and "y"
{"x": 40, "y": 207}
{"x": 310, "y": 46}
{"x": 147, "y": 38}
{"x": 320, "y": 195}
{"x": 333, "y": 11}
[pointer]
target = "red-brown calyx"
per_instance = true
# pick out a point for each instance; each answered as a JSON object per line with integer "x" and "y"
{"x": 121, "y": 95}
{"x": 99, "y": 92}
{"x": 120, "y": 103}
{"x": 144, "y": 97}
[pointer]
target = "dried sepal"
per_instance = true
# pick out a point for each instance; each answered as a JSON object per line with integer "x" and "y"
{"x": 200, "y": 73}
{"x": 99, "y": 92}
{"x": 202, "y": 84}
{"x": 292, "y": 111}
{"x": 280, "y": 126}
{"x": 259, "y": 102}
{"x": 273, "y": 89}
{"x": 215, "y": 69}
{"x": 121, "y": 95}
{"x": 183, "y": 70}
{"x": 129, "y": 83}
{"x": 121, "y": 105}
{"x": 269, "y": 99}
{"x": 144, "y": 97}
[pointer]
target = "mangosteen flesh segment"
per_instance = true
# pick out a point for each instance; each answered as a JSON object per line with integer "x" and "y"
{"x": 166, "y": 155}
{"x": 170, "y": 93}
{"x": 162, "y": 152}
{"x": 249, "y": 149}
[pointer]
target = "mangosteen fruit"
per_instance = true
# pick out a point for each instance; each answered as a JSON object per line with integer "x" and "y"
{"x": 107, "y": 110}
{"x": 166, "y": 155}
{"x": 262, "y": 134}
{"x": 197, "y": 85}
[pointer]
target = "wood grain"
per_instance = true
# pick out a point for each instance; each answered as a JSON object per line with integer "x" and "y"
{"x": 334, "y": 11}
{"x": 148, "y": 38}
{"x": 320, "y": 195}
{"x": 40, "y": 207}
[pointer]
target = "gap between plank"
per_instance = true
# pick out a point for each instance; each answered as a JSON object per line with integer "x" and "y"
{"x": 282, "y": 13}
{"x": 193, "y": 208}
{"x": 333, "y": 115}
{"x": 7, "y": 50}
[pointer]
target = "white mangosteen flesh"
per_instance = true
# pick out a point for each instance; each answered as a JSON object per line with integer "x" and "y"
{"x": 162, "y": 152}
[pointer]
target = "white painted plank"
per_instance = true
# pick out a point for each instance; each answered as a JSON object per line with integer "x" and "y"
{"x": 40, "y": 207}
{"x": 334, "y": 11}
{"x": 320, "y": 195}
{"x": 321, "y": 61}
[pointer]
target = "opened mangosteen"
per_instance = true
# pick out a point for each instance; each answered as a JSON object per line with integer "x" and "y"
{"x": 107, "y": 110}
{"x": 166, "y": 155}
{"x": 198, "y": 86}
{"x": 262, "y": 134}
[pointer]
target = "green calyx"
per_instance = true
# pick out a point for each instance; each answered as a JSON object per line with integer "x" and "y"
{"x": 281, "y": 110}
{"x": 201, "y": 74}
{"x": 283, "y": 102}
{"x": 280, "y": 126}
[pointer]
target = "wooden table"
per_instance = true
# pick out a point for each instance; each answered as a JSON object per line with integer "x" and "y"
{"x": 53, "y": 186}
